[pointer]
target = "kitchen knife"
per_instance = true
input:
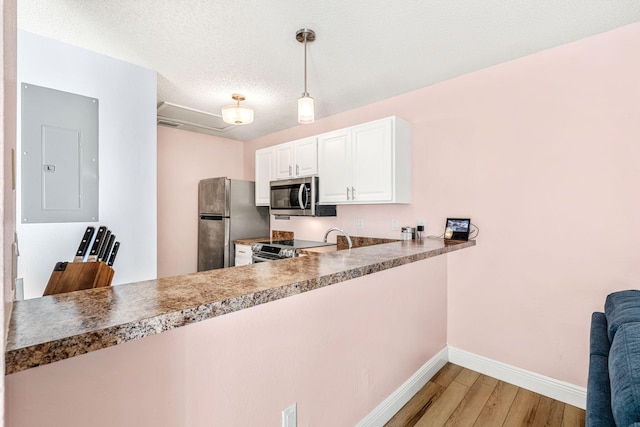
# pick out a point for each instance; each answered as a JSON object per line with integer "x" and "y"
{"x": 84, "y": 244}
{"x": 107, "y": 248}
{"x": 114, "y": 252}
{"x": 97, "y": 244}
{"x": 103, "y": 247}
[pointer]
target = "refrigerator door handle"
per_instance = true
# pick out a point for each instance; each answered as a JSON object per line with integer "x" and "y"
{"x": 227, "y": 243}
{"x": 212, "y": 217}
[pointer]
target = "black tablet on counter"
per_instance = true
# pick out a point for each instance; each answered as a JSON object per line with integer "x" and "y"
{"x": 457, "y": 229}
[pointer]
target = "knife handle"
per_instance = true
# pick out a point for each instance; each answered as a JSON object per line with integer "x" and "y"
{"x": 97, "y": 243}
{"x": 114, "y": 252}
{"x": 107, "y": 248}
{"x": 103, "y": 247}
{"x": 84, "y": 244}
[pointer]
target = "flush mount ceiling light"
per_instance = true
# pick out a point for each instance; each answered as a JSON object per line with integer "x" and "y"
{"x": 237, "y": 114}
{"x": 305, "y": 102}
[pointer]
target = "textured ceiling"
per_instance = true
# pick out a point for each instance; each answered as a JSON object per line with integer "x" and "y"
{"x": 365, "y": 51}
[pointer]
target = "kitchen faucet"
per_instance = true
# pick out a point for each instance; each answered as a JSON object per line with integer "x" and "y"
{"x": 341, "y": 231}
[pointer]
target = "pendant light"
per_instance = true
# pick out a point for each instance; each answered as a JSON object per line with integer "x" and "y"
{"x": 237, "y": 114}
{"x": 305, "y": 102}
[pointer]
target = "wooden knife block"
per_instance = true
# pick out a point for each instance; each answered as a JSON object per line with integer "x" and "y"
{"x": 76, "y": 276}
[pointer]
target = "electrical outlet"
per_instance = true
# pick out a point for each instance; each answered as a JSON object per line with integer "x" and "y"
{"x": 394, "y": 224}
{"x": 360, "y": 223}
{"x": 290, "y": 416}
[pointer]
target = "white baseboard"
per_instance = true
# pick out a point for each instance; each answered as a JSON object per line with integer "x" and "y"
{"x": 392, "y": 404}
{"x": 546, "y": 386}
{"x": 555, "y": 389}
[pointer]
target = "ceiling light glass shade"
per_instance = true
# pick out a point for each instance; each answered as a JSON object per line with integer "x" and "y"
{"x": 305, "y": 109}
{"x": 237, "y": 115}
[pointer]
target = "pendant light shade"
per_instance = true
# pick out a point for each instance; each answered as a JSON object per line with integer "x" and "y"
{"x": 306, "y": 113}
{"x": 237, "y": 114}
{"x": 305, "y": 109}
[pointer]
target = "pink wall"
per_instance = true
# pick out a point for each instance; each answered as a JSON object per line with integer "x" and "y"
{"x": 552, "y": 151}
{"x": 542, "y": 153}
{"x": 184, "y": 158}
{"x": 337, "y": 352}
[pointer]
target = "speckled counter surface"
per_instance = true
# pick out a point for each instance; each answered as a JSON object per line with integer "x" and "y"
{"x": 250, "y": 241}
{"x": 342, "y": 243}
{"x": 275, "y": 235}
{"x": 57, "y": 327}
{"x": 318, "y": 250}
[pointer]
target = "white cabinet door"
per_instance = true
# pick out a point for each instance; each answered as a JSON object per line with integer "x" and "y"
{"x": 368, "y": 163}
{"x": 306, "y": 156}
{"x": 296, "y": 158}
{"x": 243, "y": 261}
{"x": 243, "y": 255}
{"x": 372, "y": 165}
{"x": 284, "y": 164}
{"x": 264, "y": 166}
{"x": 334, "y": 166}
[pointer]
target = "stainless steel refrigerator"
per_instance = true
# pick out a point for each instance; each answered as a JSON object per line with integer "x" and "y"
{"x": 228, "y": 212}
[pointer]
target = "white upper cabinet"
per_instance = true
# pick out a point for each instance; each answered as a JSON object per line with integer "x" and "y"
{"x": 368, "y": 163}
{"x": 334, "y": 166}
{"x": 264, "y": 166}
{"x": 283, "y": 155}
{"x": 296, "y": 159}
{"x": 284, "y": 161}
{"x": 306, "y": 156}
{"x": 364, "y": 164}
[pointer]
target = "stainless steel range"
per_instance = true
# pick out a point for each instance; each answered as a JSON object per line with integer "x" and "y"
{"x": 273, "y": 250}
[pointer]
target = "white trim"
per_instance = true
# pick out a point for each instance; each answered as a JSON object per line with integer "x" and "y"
{"x": 550, "y": 387}
{"x": 555, "y": 389}
{"x": 392, "y": 404}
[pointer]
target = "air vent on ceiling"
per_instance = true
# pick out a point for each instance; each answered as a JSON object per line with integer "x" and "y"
{"x": 164, "y": 122}
{"x": 177, "y": 116}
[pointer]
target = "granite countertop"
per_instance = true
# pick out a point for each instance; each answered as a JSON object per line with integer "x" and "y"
{"x": 342, "y": 243}
{"x": 56, "y": 327}
{"x": 250, "y": 241}
{"x": 275, "y": 235}
{"x": 318, "y": 250}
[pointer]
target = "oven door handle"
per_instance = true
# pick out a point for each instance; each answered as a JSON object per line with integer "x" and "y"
{"x": 257, "y": 258}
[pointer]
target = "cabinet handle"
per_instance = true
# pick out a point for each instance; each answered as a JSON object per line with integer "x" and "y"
{"x": 289, "y": 170}
{"x": 348, "y": 193}
{"x": 297, "y": 170}
{"x": 353, "y": 193}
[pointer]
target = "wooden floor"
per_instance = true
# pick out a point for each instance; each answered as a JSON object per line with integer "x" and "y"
{"x": 456, "y": 396}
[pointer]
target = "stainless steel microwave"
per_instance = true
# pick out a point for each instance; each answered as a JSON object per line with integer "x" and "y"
{"x": 298, "y": 197}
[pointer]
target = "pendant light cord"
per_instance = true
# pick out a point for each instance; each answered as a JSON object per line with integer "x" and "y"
{"x": 305, "y": 65}
{"x": 305, "y": 102}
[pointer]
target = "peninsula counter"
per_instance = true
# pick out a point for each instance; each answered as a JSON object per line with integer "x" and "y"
{"x": 48, "y": 329}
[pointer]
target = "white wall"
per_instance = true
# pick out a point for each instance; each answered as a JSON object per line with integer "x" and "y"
{"x": 127, "y": 141}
